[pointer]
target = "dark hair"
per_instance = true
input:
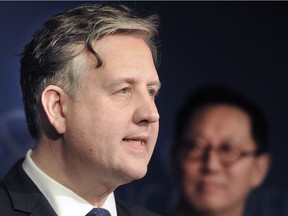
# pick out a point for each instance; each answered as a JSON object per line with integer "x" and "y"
{"x": 219, "y": 94}
{"x": 48, "y": 58}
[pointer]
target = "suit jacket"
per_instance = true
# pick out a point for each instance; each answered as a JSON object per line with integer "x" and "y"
{"x": 19, "y": 196}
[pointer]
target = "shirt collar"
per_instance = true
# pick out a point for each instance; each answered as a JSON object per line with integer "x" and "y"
{"x": 63, "y": 200}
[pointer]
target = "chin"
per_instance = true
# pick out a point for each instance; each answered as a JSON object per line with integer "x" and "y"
{"x": 211, "y": 208}
{"x": 135, "y": 174}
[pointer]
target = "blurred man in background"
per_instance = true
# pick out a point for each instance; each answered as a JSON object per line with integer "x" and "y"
{"x": 220, "y": 153}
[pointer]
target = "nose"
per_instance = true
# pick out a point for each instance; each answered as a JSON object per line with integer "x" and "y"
{"x": 211, "y": 161}
{"x": 146, "y": 110}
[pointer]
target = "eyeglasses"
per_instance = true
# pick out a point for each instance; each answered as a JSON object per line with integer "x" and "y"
{"x": 226, "y": 153}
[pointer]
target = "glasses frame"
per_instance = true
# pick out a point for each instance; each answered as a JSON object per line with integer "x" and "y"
{"x": 204, "y": 151}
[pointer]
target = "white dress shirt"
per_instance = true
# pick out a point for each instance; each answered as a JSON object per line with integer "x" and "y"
{"x": 63, "y": 200}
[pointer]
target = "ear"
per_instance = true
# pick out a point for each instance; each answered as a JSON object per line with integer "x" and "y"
{"x": 261, "y": 168}
{"x": 54, "y": 100}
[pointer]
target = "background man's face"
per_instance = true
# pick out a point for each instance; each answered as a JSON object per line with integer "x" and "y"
{"x": 207, "y": 183}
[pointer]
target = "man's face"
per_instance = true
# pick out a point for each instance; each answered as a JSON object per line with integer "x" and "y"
{"x": 112, "y": 127}
{"x": 207, "y": 183}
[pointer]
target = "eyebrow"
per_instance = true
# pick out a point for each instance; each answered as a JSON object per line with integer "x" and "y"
{"x": 155, "y": 83}
{"x": 130, "y": 81}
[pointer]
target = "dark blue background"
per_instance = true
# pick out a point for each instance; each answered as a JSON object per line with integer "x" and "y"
{"x": 243, "y": 44}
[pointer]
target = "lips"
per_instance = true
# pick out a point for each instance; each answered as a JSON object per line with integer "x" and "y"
{"x": 209, "y": 186}
{"x": 139, "y": 141}
{"x": 142, "y": 139}
{"x": 136, "y": 142}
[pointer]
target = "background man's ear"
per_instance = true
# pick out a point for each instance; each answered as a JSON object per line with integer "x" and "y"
{"x": 54, "y": 100}
{"x": 261, "y": 169}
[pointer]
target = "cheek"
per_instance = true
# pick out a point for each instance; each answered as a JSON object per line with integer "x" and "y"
{"x": 239, "y": 179}
{"x": 188, "y": 168}
{"x": 88, "y": 128}
{"x": 191, "y": 173}
{"x": 240, "y": 171}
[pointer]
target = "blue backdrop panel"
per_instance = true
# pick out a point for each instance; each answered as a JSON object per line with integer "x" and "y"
{"x": 243, "y": 44}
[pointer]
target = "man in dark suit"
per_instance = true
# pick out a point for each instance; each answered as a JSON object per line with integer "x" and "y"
{"x": 89, "y": 84}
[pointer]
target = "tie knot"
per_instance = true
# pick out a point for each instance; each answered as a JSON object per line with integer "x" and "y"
{"x": 98, "y": 212}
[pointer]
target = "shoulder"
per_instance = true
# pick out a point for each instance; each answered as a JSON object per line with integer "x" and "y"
{"x": 125, "y": 209}
{"x": 5, "y": 203}
{"x": 7, "y": 192}
{"x": 20, "y": 196}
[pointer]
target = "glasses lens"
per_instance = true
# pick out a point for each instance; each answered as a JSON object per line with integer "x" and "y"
{"x": 194, "y": 150}
{"x": 228, "y": 153}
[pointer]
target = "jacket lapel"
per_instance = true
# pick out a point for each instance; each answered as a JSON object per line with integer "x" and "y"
{"x": 24, "y": 194}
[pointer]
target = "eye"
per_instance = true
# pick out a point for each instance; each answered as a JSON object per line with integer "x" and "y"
{"x": 125, "y": 90}
{"x": 195, "y": 146}
{"x": 153, "y": 92}
{"x": 228, "y": 150}
{"x": 194, "y": 150}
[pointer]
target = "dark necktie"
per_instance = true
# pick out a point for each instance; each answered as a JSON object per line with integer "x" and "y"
{"x": 98, "y": 212}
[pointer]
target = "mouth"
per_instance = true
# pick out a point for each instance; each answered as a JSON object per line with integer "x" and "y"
{"x": 210, "y": 186}
{"x": 137, "y": 143}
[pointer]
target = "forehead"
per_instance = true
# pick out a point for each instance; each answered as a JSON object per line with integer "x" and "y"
{"x": 221, "y": 122}
{"x": 115, "y": 50}
{"x": 218, "y": 112}
{"x": 124, "y": 44}
{"x": 125, "y": 59}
